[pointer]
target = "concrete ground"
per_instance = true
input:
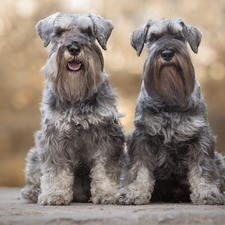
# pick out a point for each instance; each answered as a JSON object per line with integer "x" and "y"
{"x": 15, "y": 210}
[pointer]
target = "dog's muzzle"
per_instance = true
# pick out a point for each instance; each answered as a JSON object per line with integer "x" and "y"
{"x": 74, "y": 50}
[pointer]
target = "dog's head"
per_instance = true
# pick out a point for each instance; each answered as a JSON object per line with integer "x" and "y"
{"x": 168, "y": 70}
{"x": 74, "y": 68}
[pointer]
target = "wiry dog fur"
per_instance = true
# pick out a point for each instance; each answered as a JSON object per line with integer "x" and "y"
{"x": 77, "y": 155}
{"x": 171, "y": 150}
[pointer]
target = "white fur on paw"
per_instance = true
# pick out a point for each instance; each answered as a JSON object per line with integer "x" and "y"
{"x": 102, "y": 187}
{"x": 123, "y": 200}
{"x": 139, "y": 191}
{"x": 103, "y": 199}
{"x": 132, "y": 199}
{"x": 56, "y": 198}
{"x": 211, "y": 198}
{"x": 31, "y": 193}
{"x": 56, "y": 189}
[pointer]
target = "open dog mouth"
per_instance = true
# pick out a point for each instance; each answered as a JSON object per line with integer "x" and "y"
{"x": 74, "y": 65}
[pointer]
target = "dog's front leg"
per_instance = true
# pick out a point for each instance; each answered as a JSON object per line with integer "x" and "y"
{"x": 204, "y": 175}
{"x": 107, "y": 166}
{"x": 104, "y": 183}
{"x": 138, "y": 180}
{"x": 57, "y": 178}
{"x": 56, "y": 187}
{"x": 138, "y": 186}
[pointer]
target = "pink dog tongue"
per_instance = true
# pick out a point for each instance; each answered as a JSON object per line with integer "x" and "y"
{"x": 74, "y": 65}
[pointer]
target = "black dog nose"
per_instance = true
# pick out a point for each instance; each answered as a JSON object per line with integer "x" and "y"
{"x": 74, "y": 49}
{"x": 167, "y": 55}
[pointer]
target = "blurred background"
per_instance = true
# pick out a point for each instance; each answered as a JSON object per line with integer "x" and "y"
{"x": 22, "y": 55}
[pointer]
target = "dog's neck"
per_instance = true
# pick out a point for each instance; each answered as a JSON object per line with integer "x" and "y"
{"x": 61, "y": 105}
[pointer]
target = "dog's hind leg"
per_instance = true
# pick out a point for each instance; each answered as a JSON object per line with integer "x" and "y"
{"x": 32, "y": 176}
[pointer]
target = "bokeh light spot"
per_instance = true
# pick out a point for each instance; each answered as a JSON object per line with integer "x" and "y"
{"x": 217, "y": 71}
{"x": 5, "y": 141}
{"x": 25, "y": 8}
{"x": 5, "y": 26}
{"x": 22, "y": 98}
{"x": 77, "y": 5}
{"x": 205, "y": 56}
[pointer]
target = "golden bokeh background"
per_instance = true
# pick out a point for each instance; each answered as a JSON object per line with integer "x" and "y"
{"x": 22, "y": 55}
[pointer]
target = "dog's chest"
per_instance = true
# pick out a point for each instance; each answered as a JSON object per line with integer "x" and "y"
{"x": 70, "y": 120}
{"x": 74, "y": 120}
{"x": 173, "y": 127}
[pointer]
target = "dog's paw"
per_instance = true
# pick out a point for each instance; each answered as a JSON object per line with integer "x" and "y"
{"x": 211, "y": 198}
{"x": 122, "y": 199}
{"x": 103, "y": 199}
{"x": 129, "y": 199}
{"x": 31, "y": 193}
{"x": 55, "y": 198}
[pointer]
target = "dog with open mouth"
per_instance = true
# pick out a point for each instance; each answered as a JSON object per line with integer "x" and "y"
{"x": 171, "y": 150}
{"x": 78, "y": 151}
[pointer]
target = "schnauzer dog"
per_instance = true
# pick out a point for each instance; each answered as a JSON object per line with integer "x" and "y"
{"x": 78, "y": 151}
{"x": 171, "y": 148}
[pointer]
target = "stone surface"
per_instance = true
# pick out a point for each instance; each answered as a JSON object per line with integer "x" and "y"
{"x": 15, "y": 210}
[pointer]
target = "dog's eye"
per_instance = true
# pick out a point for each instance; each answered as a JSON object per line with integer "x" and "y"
{"x": 87, "y": 31}
{"x": 154, "y": 37}
{"x": 179, "y": 37}
{"x": 59, "y": 31}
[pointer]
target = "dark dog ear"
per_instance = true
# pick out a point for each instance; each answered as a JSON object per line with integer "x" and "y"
{"x": 137, "y": 37}
{"x": 102, "y": 29}
{"x": 45, "y": 28}
{"x": 193, "y": 36}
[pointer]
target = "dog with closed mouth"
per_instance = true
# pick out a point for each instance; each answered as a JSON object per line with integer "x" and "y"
{"x": 171, "y": 150}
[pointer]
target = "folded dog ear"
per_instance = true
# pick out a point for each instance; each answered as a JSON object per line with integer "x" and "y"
{"x": 102, "y": 29}
{"x": 45, "y": 28}
{"x": 137, "y": 37}
{"x": 193, "y": 36}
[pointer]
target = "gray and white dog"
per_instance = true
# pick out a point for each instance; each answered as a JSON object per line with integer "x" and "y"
{"x": 78, "y": 151}
{"x": 171, "y": 149}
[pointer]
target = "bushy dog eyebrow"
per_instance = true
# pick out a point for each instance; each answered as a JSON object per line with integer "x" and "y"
{"x": 174, "y": 26}
{"x": 157, "y": 28}
{"x": 65, "y": 22}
